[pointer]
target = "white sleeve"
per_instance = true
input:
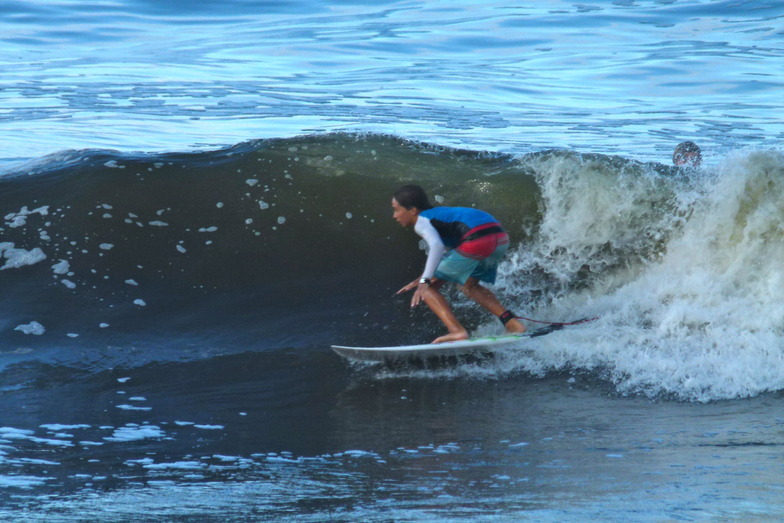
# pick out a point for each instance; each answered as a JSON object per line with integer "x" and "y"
{"x": 435, "y": 246}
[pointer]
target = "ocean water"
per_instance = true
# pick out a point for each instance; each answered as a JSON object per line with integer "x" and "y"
{"x": 195, "y": 205}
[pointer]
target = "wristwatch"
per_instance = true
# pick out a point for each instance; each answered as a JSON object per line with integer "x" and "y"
{"x": 426, "y": 281}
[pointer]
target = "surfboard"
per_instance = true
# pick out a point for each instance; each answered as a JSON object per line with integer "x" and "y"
{"x": 425, "y": 351}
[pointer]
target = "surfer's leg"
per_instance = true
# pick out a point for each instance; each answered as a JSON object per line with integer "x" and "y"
{"x": 438, "y": 304}
{"x": 485, "y": 297}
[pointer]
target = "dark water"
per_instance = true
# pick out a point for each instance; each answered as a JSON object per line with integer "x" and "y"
{"x": 195, "y": 204}
{"x": 350, "y": 448}
{"x": 203, "y": 246}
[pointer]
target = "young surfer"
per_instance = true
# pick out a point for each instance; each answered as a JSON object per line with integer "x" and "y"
{"x": 464, "y": 246}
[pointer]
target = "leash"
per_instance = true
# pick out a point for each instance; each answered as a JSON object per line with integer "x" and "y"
{"x": 559, "y": 324}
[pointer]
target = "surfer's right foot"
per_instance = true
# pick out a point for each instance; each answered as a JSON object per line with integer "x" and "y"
{"x": 452, "y": 336}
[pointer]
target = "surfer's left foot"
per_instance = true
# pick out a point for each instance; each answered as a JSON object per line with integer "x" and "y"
{"x": 452, "y": 336}
{"x": 515, "y": 327}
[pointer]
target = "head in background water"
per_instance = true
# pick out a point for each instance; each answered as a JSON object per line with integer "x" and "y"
{"x": 687, "y": 154}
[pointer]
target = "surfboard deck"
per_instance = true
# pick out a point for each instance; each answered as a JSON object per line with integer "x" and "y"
{"x": 430, "y": 350}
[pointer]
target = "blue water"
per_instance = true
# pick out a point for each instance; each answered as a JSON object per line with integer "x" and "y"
{"x": 195, "y": 204}
{"x": 629, "y": 78}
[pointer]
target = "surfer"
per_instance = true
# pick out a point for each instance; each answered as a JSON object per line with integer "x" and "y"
{"x": 465, "y": 246}
{"x": 687, "y": 154}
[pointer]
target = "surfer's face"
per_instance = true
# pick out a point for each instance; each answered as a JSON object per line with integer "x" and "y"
{"x": 405, "y": 217}
{"x": 688, "y": 159}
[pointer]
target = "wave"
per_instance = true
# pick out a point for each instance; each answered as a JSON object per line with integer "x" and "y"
{"x": 683, "y": 271}
{"x": 290, "y": 243}
{"x": 248, "y": 243}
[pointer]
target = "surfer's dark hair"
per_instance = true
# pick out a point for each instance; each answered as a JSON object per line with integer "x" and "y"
{"x": 410, "y": 196}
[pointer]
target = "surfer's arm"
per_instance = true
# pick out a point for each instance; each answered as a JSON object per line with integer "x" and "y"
{"x": 436, "y": 250}
{"x": 435, "y": 246}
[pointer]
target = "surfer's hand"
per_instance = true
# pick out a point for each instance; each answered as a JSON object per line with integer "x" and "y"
{"x": 408, "y": 287}
{"x": 419, "y": 294}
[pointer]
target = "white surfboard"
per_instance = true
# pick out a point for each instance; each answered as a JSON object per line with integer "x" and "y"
{"x": 434, "y": 350}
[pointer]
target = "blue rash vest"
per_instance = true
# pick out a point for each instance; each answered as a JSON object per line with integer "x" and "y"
{"x": 453, "y": 223}
{"x": 447, "y": 227}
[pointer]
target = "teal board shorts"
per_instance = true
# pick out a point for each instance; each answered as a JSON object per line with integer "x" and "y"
{"x": 457, "y": 267}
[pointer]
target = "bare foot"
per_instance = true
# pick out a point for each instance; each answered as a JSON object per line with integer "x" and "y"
{"x": 452, "y": 336}
{"x": 515, "y": 327}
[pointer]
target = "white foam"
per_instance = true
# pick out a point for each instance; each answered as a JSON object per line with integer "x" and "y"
{"x": 16, "y": 258}
{"x": 9, "y": 433}
{"x": 61, "y": 267}
{"x": 359, "y": 454}
{"x": 701, "y": 315}
{"x": 12, "y": 433}
{"x": 23, "y": 482}
{"x": 19, "y": 219}
{"x": 57, "y": 427}
{"x": 133, "y": 432}
{"x": 34, "y": 328}
{"x": 176, "y": 465}
{"x": 228, "y": 459}
{"x": 132, "y": 407}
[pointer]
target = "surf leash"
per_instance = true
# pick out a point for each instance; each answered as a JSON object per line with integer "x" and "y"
{"x": 560, "y": 324}
{"x": 505, "y": 317}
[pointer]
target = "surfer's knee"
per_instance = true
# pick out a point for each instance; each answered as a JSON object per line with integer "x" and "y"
{"x": 469, "y": 287}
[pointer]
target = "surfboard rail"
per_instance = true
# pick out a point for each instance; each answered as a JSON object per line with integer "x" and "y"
{"x": 427, "y": 350}
{"x": 398, "y": 353}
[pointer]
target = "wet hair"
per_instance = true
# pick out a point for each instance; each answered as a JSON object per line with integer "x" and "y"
{"x": 410, "y": 196}
{"x": 679, "y": 156}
